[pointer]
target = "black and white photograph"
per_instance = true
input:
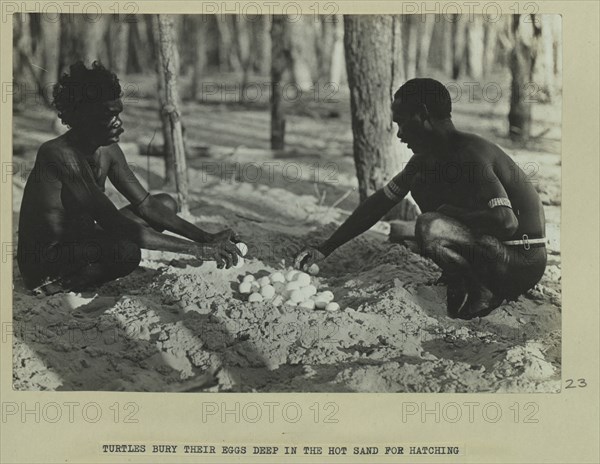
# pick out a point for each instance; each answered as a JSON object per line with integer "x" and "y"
{"x": 327, "y": 202}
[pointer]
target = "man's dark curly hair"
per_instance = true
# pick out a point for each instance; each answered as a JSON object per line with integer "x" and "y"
{"x": 428, "y": 92}
{"x": 81, "y": 89}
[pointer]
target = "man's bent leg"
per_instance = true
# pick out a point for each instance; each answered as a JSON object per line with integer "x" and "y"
{"x": 79, "y": 265}
{"x": 469, "y": 263}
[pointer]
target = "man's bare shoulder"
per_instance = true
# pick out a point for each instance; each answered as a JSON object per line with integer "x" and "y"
{"x": 57, "y": 150}
{"x": 474, "y": 148}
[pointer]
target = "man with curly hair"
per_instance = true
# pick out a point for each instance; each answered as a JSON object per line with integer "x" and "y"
{"x": 71, "y": 236}
{"x": 483, "y": 221}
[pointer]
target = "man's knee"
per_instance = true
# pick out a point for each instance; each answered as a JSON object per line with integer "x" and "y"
{"x": 168, "y": 201}
{"x": 128, "y": 256}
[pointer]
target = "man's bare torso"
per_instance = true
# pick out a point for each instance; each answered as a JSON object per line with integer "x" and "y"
{"x": 49, "y": 212}
{"x": 457, "y": 181}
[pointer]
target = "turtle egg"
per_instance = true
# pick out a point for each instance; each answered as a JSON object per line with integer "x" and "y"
{"x": 255, "y": 298}
{"x": 242, "y": 247}
{"x": 248, "y": 278}
{"x": 245, "y": 287}
{"x": 307, "y": 304}
{"x": 291, "y": 286}
{"x": 267, "y": 292}
{"x": 296, "y": 296}
{"x": 303, "y": 279}
{"x": 291, "y": 275}
{"x": 320, "y": 304}
{"x": 309, "y": 290}
{"x": 313, "y": 269}
{"x": 264, "y": 281}
{"x": 327, "y": 296}
{"x": 277, "y": 277}
{"x": 332, "y": 307}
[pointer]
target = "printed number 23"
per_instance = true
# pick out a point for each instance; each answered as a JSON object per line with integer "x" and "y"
{"x": 581, "y": 383}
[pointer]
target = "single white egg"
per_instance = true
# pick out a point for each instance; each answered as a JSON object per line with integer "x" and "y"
{"x": 264, "y": 281}
{"x": 291, "y": 286}
{"x": 313, "y": 269}
{"x": 327, "y": 296}
{"x": 291, "y": 303}
{"x": 309, "y": 290}
{"x": 242, "y": 247}
{"x": 277, "y": 277}
{"x": 303, "y": 279}
{"x": 267, "y": 292}
{"x": 245, "y": 287}
{"x": 307, "y": 304}
{"x": 248, "y": 278}
{"x": 332, "y": 307}
{"x": 291, "y": 275}
{"x": 320, "y": 304}
{"x": 255, "y": 298}
{"x": 297, "y": 296}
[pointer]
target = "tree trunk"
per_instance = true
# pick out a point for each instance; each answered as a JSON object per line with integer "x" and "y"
{"x": 262, "y": 64}
{"x": 243, "y": 50}
{"x": 373, "y": 65}
{"x": 475, "y": 43}
{"x": 525, "y": 35}
{"x": 300, "y": 52}
{"x": 118, "y": 44}
{"x": 168, "y": 148}
{"x": 413, "y": 47}
{"x": 92, "y": 35}
{"x": 426, "y": 27}
{"x": 544, "y": 64}
{"x": 199, "y": 63}
{"x": 337, "y": 54}
{"x": 168, "y": 58}
{"x": 489, "y": 54}
{"x": 51, "y": 47}
{"x": 279, "y": 63}
{"x": 458, "y": 46}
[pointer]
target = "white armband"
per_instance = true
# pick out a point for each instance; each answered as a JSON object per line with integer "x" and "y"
{"x": 499, "y": 202}
{"x": 392, "y": 191}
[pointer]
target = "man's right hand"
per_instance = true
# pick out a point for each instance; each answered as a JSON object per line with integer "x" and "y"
{"x": 308, "y": 257}
{"x": 225, "y": 253}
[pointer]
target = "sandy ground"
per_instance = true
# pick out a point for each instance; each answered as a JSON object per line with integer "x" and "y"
{"x": 179, "y": 325}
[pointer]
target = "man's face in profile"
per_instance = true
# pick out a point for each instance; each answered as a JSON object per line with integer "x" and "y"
{"x": 411, "y": 127}
{"x": 102, "y": 124}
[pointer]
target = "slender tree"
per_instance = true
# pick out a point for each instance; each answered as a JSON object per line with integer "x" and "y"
{"x": 525, "y": 34}
{"x": 280, "y": 56}
{"x": 170, "y": 106}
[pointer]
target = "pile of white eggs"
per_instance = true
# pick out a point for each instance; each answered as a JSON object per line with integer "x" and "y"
{"x": 293, "y": 289}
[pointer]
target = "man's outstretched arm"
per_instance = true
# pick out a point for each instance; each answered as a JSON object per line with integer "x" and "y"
{"x": 147, "y": 207}
{"x": 362, "y": 219}
{"x": 365, "y": 216}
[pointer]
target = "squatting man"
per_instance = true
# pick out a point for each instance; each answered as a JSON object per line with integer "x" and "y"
{"x": 71, "y": 235}
{"x": 483, "y": 225}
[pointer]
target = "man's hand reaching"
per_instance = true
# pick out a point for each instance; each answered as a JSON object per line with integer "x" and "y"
{"x": 224, "y": 252}
{"x": 307, "y": 258}
{"x": 226, "y": 235}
